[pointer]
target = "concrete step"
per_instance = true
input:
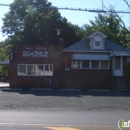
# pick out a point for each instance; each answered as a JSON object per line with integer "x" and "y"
{"x": 121, "y": 84}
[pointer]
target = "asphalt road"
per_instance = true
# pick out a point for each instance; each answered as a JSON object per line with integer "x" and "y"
{"x": 81, "y": 120}
{"x": 62, "y": 110}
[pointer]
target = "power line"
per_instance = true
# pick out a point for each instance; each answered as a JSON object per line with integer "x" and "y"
{"x": 81, "y": 9}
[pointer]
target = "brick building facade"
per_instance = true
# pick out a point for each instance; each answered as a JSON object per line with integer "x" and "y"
{"x": 90, "y": 63}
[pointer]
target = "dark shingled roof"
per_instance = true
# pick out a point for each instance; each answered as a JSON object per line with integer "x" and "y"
{"x": 84, "y": 45}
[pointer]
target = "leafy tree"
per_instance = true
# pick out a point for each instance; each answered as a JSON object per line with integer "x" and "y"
{"x": 124, "y": 32}
{"x": 5, "y": 49}
{"x": 35, "y": 21}
{"x": 110, "y": 26}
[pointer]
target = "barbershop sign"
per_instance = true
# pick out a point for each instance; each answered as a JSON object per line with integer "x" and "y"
{"x": 35, "y": 52}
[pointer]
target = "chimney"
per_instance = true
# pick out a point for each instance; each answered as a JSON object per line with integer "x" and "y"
{"x": 61, "y": 44}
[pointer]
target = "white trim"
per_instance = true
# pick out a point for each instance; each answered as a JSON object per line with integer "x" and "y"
{"x": 117, "y": 72}
{"x": 86, "y": 51}
{"x": 35, "y": 75}
{"x": 92, "y": 35}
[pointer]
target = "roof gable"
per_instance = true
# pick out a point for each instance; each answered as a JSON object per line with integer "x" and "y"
{"x": 98, "y": 32}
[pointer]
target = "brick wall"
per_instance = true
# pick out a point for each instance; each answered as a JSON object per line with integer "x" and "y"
{"x": 74, "y": 78}
{"x": 87, "y": 78}
{"x": 55, "y": 57}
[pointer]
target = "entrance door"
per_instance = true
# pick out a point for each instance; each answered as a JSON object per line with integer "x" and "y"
{"x": 117, "y": 66}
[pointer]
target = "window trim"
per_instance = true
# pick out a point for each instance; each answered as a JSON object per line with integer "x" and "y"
{"x": 35, "y": 75}
{"x": 98, "y": 39}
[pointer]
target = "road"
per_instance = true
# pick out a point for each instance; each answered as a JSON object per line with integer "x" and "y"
{"x": 72, "y": 119}
{"x": 62, "y": 110}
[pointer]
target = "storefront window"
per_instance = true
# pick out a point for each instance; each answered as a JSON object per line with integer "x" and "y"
{"x": 35, "y": 70}
{"x": 48, "y": 70}
{"x": 22, "y": 70}
{"x": 76, "y": 64}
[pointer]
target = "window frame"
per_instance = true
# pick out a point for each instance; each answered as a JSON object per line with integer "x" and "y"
{"x": 18, "y": 70}
{"x": 35, "y": 75}
{"x": 98, "y": 39}
{"x": 107, "y": 65}
{"x": 73, "y": 64}
{"x": 90, "y": 65}
{"x": 85, "y": 67}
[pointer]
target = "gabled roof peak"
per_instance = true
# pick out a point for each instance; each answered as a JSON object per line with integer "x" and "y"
{"x": 97, "y": 32}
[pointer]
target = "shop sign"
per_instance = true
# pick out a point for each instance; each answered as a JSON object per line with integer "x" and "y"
{"x": 35, "y": 52}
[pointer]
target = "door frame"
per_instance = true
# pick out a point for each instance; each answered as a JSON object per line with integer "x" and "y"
{"x": 117, "y": 72}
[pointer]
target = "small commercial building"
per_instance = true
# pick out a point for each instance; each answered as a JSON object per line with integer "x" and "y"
{"x": 89, "y": 63}
{"x": 39, "y": 65}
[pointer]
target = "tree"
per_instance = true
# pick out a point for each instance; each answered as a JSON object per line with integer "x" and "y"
{"x": 110, "y": 26}
{"x": 35, "y": 21}
{"x": 5, "y": 49}
{"x": 124, "y": 34}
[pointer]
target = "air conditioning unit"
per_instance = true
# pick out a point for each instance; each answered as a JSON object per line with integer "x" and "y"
{"x": 47, "y": 81}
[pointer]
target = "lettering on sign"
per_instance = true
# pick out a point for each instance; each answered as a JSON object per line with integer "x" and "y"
{"x": 35, "y": 52}
{"x": 36, "y": 48}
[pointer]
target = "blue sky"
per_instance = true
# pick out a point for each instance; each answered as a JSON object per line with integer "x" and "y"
{"x": 76, "y": 17}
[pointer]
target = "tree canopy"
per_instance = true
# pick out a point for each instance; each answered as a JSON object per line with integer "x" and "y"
{"x": 110, "y": 26}
{"x": 36, "y": 21}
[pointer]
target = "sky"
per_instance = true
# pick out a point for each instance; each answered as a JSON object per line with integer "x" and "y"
{"x": 76, "y": 17}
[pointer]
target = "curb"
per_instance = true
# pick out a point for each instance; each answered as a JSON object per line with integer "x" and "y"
{"x": 11, "y": 89}
{"x": 37, "y": 89}
{"x": 70, "y": 90}
{"x": 100, "y": 90}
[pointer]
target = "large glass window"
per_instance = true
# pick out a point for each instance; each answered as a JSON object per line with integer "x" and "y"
{"x": 76, "y": 64}
{"x": 22, "y": 70}
{"x": 35, "y": 70}
{"x": 30, "y": 70}
{"x": 48, "y": 70}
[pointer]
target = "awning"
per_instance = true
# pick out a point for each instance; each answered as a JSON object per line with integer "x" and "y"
{"x": 5, "y": 62}
{"x": 90, "y": 57}
{"x": 118, "y": 53}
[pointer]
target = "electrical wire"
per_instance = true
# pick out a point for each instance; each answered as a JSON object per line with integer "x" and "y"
{"x": 80, "y": 9}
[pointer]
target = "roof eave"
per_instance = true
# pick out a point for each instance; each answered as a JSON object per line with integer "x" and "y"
{"x": 82, "y": 51}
